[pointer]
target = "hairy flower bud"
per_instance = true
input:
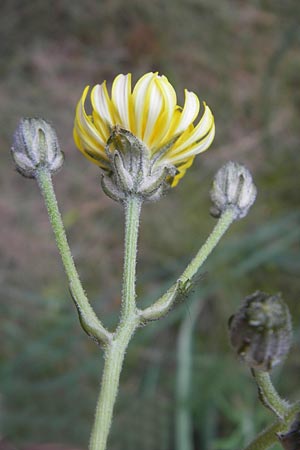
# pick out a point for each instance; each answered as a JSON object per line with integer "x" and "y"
{"x": 35, "y": 146}
{"x": 260, "y": 332}
{"x": 132, "y": 171}
{"x": 291, "y": 439}
{"x": 233, "y": 187}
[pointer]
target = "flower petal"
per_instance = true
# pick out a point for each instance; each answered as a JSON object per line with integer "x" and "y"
{"x": 154, "y": 101}
{"x": 189, "y": 138}
{"x": 195, "y": 149}
{"x": 102, "y": 104}
{"x": 164, "y": 120}
{"x": 182, "y": 168}
{"x": 188, "y": 114}
{"x": 122, "y": 101}
{"x": 84, "y": 122}
{"x": 140, "y": 103}
{"x": 86, "y": 136}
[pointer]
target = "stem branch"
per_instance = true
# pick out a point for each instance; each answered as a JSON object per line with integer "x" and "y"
{"x": 161, "y": 306}
{"x": 268, "y": 437}
{"x": 89, "y": 321}
{"x": 217, "y": 233}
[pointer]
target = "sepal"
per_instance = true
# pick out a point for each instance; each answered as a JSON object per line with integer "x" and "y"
{"x": 132, "y": 170}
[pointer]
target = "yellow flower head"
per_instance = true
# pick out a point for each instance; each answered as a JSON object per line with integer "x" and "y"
{"x": 150, "y": 112}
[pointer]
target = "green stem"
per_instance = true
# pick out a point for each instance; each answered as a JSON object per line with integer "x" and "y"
{"x": 268, "y": 437}
{"x": 88, "y": 318}
{"x": 129, "y": 321}
{"x": 268, "y": 394}
{"x": 221, "y": 227}
{"x": 161, "y": 306}
{"x": 132, "y": 217}
{"x": 114, "y": 357}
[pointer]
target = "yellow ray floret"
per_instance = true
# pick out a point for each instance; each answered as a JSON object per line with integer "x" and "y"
{"x": 151, "y": 113}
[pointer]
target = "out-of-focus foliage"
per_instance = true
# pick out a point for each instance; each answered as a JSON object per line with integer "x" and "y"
{"x": 244, "y": 59}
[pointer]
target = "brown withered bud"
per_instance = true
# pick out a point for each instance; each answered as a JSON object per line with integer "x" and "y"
{"x": 291, "y": 439}
{"x": 261, "y": 330}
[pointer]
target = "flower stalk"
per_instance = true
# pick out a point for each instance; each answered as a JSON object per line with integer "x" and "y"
{"x": 114, "y": 356}
{"x": 268, "y": 394}
{"x": 129, "y": 321}
{"x": 89, "y": 321}
{"x": 161, "y": 306}
{"x": 226, "y": 219}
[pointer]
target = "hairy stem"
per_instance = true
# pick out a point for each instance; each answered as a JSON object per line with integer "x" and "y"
{"x": 161, "y": 306}
{"x": 268, "y": 394}
{"x": 114, "y": 357}
{"x": 268, "y": 437}
{"x": 132, "y": 218}
{"x": 88, "y": 318}
{"x": 221, "y": 227}
{"x": 129, "y": 321}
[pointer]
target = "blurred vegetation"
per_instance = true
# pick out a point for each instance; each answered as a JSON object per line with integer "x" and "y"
{"x": 241, "y": 57}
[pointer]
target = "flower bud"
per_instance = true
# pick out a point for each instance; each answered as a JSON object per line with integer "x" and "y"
{"x": 291, "y": 439}
{"x": 132, "y": 170}
{"x": 260, "y": 332}
{"x": 35, "y": 146}
{"x": 233, "y": 187}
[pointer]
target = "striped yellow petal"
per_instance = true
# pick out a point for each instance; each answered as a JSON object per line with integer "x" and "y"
{"x": 182, "y": 168}
{"x": 163, "y": 124}
{"x": 140, "y": 103}
{"x": 102, "y": 104}
{"x": 188, "y": 138}
{"x": 85, "y": 127}
{"x": 189, "y": 112}
{"x": 122, "y": 101}
{"x": 153, "y": 110}
{"x": 195, "y": 149}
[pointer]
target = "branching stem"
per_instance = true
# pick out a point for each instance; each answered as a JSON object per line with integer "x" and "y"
{"x": 268, "y": 437}
{"x": 161, "y": 306}
{"x": 115, "y": 345}
{"x": 115, "y": 352}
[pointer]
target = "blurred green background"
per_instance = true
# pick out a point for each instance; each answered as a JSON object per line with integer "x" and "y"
{"x": 243, "y": 58}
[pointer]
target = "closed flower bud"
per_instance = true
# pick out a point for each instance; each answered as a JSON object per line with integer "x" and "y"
{"x": 131, "y": 169}
{"x": 260, "y": 332}
{"x": 291, "y": 439}
{"x": 35, "y": 146}
{"x": 233, "y": 187}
